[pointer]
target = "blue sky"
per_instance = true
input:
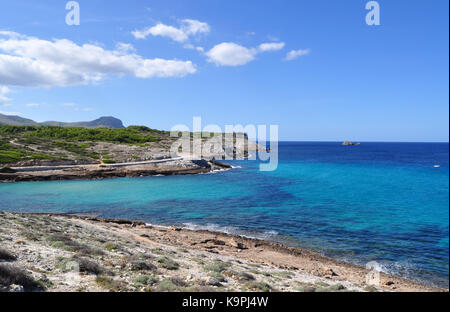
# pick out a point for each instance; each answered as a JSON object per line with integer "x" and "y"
{"x": 227, "y": 61}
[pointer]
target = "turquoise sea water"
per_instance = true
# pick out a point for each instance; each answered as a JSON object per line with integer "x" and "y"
{"x": 384, "y": 202}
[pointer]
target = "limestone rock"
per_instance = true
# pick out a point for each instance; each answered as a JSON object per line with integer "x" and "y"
{"x": 235, "y": 244}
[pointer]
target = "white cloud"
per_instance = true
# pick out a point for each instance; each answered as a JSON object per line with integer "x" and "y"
{"x": 10, "y": 113}
{"x": 69, "y": 104}
{"x": 3, "y": 92}
{"x": 124, "y": 48}
{"x": 292, "y": 55}
{"x": 232, "y": 54}
{"x": 33, "y": 62}
{"x": 194, "y": 27}
{"x": 163, "y": 31}
{"x": 11, "y": 34}
{"x": 187, "y": 28}
{"x": 193, "y": 47}
{"x": 33, "y": 105}
{"x": 274, "y": 46}
{"x": 189, "y": 46}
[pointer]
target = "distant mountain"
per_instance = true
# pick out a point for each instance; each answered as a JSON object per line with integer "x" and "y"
{"x": 102, "y": 122}
{"x": 16, "y": 121}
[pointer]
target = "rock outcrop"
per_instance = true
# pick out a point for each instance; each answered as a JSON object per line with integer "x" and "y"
{"x": 349, "y": 143}
{"x": 90, "y": 172}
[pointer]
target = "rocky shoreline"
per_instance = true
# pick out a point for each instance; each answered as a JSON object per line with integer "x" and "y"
{"x": 103, "y": 171}
{"x": 52, "y": 252}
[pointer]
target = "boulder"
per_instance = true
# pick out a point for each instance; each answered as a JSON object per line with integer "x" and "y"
{"x": 212, "y": 281}
{"x": 235, "y": 244}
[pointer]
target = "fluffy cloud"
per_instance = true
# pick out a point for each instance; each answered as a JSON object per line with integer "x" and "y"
{"x": 3, "y": 92}
{"x": 32, "y": 62}
{"x": 187, "y": 28}
{"x": 292, "y": 55}
{"x": 163, "y": 31}
{"x": 232, "y": 54}
{"x": 273, "y": 46}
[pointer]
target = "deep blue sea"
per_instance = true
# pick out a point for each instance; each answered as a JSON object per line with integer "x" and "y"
{"x": 384, "y": 202}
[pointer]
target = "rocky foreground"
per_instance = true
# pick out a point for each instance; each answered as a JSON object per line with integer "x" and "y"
{"x": 62, "y": 253}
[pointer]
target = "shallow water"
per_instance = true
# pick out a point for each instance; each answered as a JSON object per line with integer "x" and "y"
{"x": 384, "y": 202}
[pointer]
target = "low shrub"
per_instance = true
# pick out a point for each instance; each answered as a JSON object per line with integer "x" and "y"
{"x": 259, "y": 286}
{"x": 146, "y": 280}
{"x": 216, "y": 266}
{"x": 109, "y": 283}
{"x": 5, "y": 255}
{"x": 64, "y": 242}
{"x": 168, "y": 263}
{"x": 12, "y": 275}
{"x": 143, "y": 266}
{"x": 170, "y": 285}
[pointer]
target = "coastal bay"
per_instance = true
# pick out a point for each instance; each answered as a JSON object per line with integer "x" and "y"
{"x": 350, "y": 205}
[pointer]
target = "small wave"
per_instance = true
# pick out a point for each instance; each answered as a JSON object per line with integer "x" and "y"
{"x": 404, "y": 269}
{"x": 232, "y": 230}
{"x": 214, "y": 171}
{"x": 236, "y": 167}
{"x": 157, "y": 226}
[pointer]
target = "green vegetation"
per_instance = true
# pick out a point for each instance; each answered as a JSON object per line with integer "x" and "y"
{"x": 16, "y": 141}
{"x": 258, "y": 286}
{"x": 130, "y": 135}
{"x": 110, "y": 246}
{"x": 370, "y": 288}
{"x": 168, "y": 263}
{"x": 336, "y": 287}
{"x": 142, "y": 266}
{"x": 322, "y": 284}
{"x": 12, "y": 275}
{"x": 146, "y": 280}
{"x": 64, "y": 242}
{"x": 12, "y": 154}
{"x": 216, "y": 266}
{"x": 85, "y": 265}
{"x": 218, "y": 276}
{"x": 170, "y": 285}
{"x": 79, "y": 149}
{"x": 109, "y": 283}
